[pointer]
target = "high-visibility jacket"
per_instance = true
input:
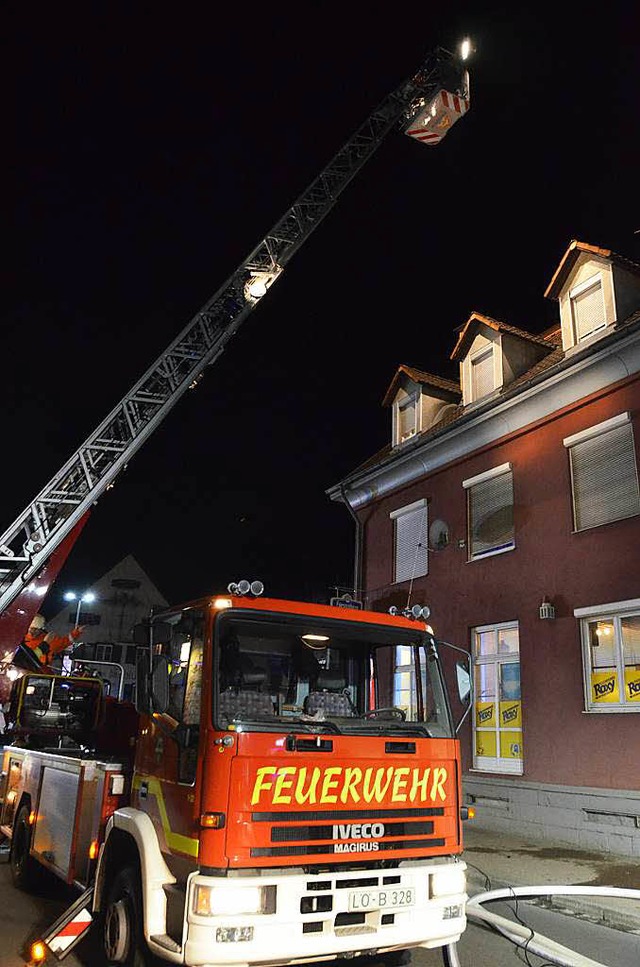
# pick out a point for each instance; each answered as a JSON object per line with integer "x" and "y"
{"x": 45, "y": 645}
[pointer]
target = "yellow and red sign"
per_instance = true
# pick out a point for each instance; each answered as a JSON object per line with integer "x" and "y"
{"x": 284, "y": 785}
{"x": 632, "y": 684}
{"x": 604, "y": 687}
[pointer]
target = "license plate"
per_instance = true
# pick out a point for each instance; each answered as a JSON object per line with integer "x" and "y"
{"x": 362, "y": 900}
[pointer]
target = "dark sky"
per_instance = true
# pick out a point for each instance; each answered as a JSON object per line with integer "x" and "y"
{"x": 148, "y": 148}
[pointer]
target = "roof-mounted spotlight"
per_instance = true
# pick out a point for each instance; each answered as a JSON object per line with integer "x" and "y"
{"x": 246, "y": 587}
{"x": 465, "y": 49}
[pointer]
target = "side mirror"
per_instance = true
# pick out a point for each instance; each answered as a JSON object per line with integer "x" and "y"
{"x": 463, "y": 679}
{"x": 143, "y": 680}
{"x": 160, "y": 684}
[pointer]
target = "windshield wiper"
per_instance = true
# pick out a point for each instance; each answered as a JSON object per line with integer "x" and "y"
{"x": 313, "y": 725}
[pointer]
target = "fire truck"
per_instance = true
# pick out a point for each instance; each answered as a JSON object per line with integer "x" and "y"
{"x": 286, "y": 790}
{"x": 287, "y": 786}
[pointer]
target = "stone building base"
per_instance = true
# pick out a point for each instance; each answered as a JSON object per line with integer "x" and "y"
{"x": 604, "y": 820}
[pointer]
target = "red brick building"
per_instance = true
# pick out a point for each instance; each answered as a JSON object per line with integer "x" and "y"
{"x": 509, "y": 503}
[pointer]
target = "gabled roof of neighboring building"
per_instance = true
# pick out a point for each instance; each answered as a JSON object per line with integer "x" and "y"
{"x": 445, "y": 388}
{"x": 477, "y": 319}
{"x": 570, "y": 258}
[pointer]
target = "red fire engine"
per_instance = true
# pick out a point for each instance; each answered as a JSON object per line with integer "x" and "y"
{"x": 288, "y": 789}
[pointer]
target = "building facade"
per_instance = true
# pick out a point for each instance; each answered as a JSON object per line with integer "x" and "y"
{"x": 120, "y": 599}
{"x": 509, "y": 503}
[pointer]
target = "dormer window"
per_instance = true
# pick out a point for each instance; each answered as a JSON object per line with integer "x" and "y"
{"x": 587, "y": 308}
{"x": 407, "y": 418}
{"x": 482, "y": 375}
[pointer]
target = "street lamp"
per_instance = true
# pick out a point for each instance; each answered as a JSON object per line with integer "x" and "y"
{"x": 85, "y": 598}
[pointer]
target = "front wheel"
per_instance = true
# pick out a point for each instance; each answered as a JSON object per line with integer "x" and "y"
{"x": 24, "y": 869}
{"x": 122, "y": 933}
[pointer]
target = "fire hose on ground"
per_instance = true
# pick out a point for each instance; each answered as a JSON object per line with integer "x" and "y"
{"x": 525, "y": 937}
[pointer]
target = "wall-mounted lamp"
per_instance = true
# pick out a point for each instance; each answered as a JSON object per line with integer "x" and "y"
{"x": 546, "y": 610}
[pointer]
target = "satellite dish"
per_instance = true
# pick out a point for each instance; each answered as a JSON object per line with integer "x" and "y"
{"x": 438, "y": 535}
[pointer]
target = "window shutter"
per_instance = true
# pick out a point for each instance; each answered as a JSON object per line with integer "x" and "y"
{"x": 491, "y": 514}
{"x": 411, "y": 545}
{"x": 604, "y": 478}
{"x": 588, "y": 311}
{"x": 482, "y": 375}
{"x": 407, "y": 419}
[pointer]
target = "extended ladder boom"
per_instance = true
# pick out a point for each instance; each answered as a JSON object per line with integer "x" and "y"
{"x": 28, "y": 543}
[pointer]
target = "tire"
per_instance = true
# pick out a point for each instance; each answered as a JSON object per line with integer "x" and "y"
{"x": 25, "y": 871}
{"x": 123, "y": 940}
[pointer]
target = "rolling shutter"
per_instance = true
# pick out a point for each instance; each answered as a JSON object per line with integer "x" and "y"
{"x": 411, "y": 544}
{"x": 482, "y": 375}
{"x": 491, "y": 514}
{"x": 588, "y": 311}
{"x": 604, "y": 478}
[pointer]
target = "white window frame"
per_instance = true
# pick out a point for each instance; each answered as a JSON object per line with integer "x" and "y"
{"x": 622, "y": 419}
{"x": 591, "y": 283}
{"x": 104, "y": 650}
{"x": 505, "y": 766}
{"x": 420, "y": 567}
{"x": 468, "y": 485}
{"x": 611, "y": 612}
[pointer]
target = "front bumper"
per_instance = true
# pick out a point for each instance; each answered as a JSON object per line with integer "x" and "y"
{"x": 314, "y": 917}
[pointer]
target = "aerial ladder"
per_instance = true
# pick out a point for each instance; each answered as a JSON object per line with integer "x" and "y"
{"x": 35, "y": 546}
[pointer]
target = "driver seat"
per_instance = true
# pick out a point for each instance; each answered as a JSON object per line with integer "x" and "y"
{"x": 329, "y": 697}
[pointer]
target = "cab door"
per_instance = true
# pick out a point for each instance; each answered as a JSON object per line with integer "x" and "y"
{"x": 165, "y": 783}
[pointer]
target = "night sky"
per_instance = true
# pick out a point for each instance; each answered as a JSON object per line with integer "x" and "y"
{"x": 148, "y": 148}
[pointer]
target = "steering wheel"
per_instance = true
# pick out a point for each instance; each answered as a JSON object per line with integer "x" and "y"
{"x": 391, "y": 711}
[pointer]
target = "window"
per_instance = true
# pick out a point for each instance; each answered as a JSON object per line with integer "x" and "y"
{"x": 482, "y": 378}
{"x": 407, "y": 418}
{"x": 410, "y": 541}
{"x": 497, "y": 714}
{"x": 604, "y": 476}
{"x": 587, "y": 308}
{"x": 84, "y": 618}
{"x": 490, "y": 512}
{"x": 611, "y": 656}
{"x": 103, "y": 652}
{"x": 185, "y": 652}
{"x": 408, "y": 692}
{"x": 126, "y": 584}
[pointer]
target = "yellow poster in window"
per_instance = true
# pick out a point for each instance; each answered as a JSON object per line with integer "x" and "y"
{"x": 511, "y": 745}
{"x": 511, "y": 715}
{"x": 486, "y": 744}
{"x": 485, "y": 714}
{"x": 632, "y": 684}
{"x": 604, "y": 687}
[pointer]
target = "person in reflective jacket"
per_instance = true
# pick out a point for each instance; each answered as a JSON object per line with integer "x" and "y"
{"x": 43, "y": 644}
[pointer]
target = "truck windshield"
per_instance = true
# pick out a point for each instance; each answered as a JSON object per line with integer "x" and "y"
{"x": 305, "y": 674}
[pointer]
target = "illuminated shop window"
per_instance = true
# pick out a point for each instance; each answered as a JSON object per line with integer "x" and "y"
{"x": 497, "y": 713}
{"x": 611, "y": 656}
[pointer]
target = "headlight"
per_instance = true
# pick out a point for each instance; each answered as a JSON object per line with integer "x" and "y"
{"x": 447, "y": 881}
{"x": 227, "y": 900}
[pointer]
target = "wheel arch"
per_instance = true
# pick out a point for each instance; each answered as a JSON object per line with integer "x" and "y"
{"x": 131, "y": 840}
